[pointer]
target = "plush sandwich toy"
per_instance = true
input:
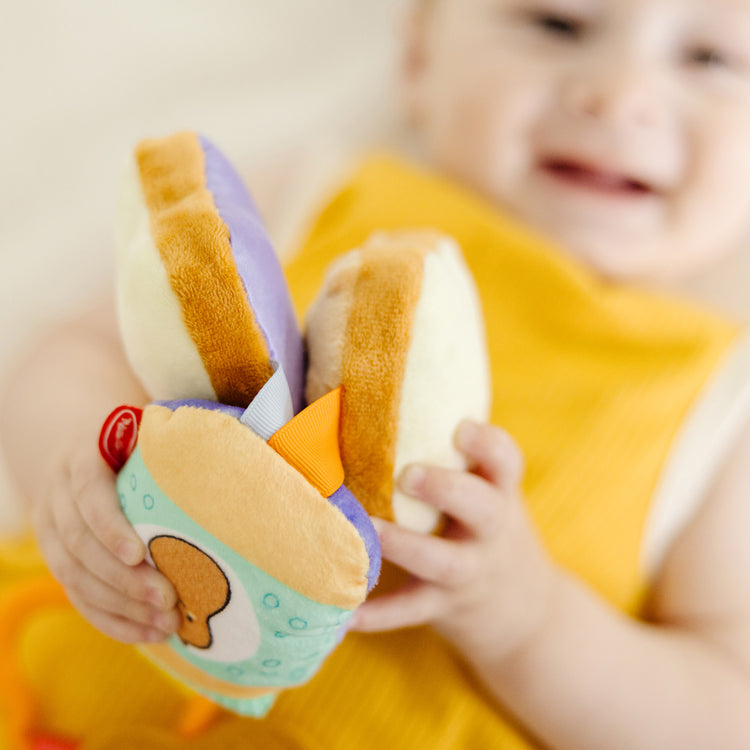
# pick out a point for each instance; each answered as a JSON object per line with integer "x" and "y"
{"x": 255, "y": 505}
{"x": 397, "y": 323}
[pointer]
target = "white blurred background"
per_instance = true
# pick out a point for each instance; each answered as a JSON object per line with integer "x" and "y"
{"x": 284, "y": 87}
{"x": 276, "y": 84}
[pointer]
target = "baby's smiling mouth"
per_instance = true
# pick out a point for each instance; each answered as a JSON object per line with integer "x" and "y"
{"x": 585, "y": 176}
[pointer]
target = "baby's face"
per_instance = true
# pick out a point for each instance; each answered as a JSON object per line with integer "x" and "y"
{"x": 620, "y": 128}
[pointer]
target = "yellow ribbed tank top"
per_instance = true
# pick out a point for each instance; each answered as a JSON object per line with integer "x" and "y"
{"x": 593, "y": 379}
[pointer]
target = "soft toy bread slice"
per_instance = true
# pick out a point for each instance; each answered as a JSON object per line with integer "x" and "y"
{"x": 203, "y": 305}
{"x": 268, "y": 552}
{"x": 236, "y": 493}
{"x": 399, "y": 325}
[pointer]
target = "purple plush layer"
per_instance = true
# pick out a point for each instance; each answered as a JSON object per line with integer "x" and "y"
{"x": 343, "y": 499}
{"x": 258, "y": 267}
{"x": 357, "y": 516}
{"x": 199, "y": 403}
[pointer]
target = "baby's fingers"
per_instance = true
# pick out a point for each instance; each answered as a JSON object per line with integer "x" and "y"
{"x": 476, "y": 504}
{"x": 98, "y": 596}
{"x": 120, "y": 628}
{"x": 98, "y": 504}
{"x": 141, "y": 582}
{"x": 89, "y": 594}
{"x": 430, "y": 558}
{"x": 415, "y": 603}
{"x": 104, "y": 606}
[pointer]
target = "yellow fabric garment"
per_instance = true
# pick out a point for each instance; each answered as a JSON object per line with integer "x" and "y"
{"x": 592, "y": 379}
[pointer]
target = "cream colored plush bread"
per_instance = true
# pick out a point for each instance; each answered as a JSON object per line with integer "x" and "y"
{"x": 399, "y": 324}
{"x": 203, "y": 305}
{"x": 149, "y": 312}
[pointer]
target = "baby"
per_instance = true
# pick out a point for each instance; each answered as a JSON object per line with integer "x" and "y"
{"x": 616, "y": 129}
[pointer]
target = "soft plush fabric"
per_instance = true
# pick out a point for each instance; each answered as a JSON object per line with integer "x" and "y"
{"x": 267, "y": 569}
{"x": 202, "y": 302}
{"x": 586, "y": 374}
{"x": 239, "y": 501}
{"x": 398, "y": 324}
{"x": 594, "y": 380}
{"x": 236, "y": 487}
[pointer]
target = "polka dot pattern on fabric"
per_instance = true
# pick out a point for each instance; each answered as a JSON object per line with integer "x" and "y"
{"x": 271, "y": 601}
{"x": 296, "y": 634}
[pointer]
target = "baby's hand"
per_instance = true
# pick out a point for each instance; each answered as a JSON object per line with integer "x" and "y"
{"x": 96, "y": 555}
{"x": 486, "y": 584}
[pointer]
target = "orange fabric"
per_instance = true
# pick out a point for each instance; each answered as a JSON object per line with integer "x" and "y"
{"x": 195, "y": 247}
{"x": 17, "y": 697}
{"x": 199, "y": 714}
{"x": 228, "y": 458}
{"x": 34, "y": 598}
{"x": 310, "y": 443}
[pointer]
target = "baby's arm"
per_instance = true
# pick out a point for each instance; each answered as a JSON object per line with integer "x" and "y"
{"x": 574, "y": 671}
{"x": 50, "y": 419}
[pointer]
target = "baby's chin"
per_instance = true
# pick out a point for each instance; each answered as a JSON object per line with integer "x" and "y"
{"x": 625, "y": 256}
{"x": 616, "y": 238}
{"x": 615, "y": 245}
{"x": 660, "y": 261}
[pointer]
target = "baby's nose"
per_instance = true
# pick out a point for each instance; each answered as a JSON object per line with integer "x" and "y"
{"x": 619, "y": 94}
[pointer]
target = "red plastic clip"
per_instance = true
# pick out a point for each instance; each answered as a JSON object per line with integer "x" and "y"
{"x": 119, "y": 436}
